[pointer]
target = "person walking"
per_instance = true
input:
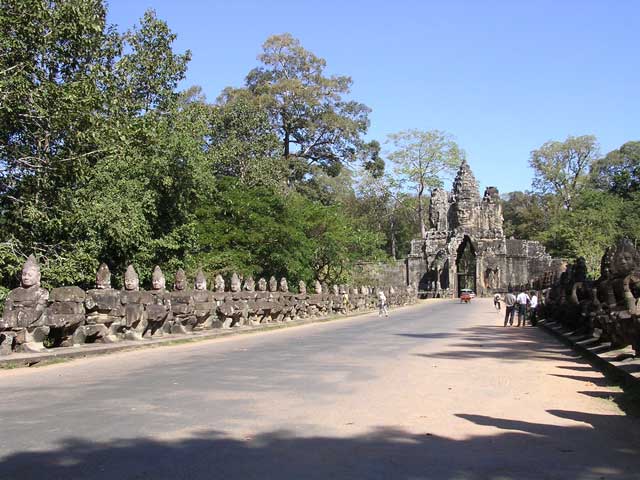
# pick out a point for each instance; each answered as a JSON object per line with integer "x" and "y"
{"x": 522, "y": 301}
{"x": 533, "y": 307}
{"x": 497, "y": 299}
{"x": 509, "y": 306}
{"x": 382, "y": 304}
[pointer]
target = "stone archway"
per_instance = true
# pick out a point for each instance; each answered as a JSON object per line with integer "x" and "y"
{"x": 466, "y": 262}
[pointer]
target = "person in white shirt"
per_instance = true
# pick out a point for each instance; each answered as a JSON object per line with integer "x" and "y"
{"x": 382, "y": 304}
{"x": 522, "y": 300}
{"x": 533, "y": 306}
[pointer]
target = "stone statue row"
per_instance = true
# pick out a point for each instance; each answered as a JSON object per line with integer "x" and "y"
{"x": 35, "y": 318}
{"x": 606, "y": 308}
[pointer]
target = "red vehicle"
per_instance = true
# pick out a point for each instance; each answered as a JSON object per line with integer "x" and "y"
{"x": 466, "y": 295}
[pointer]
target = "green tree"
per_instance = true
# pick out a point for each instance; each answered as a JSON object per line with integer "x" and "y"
{"x": 562, "y": 168}
{"x": 619, "y": 171}
{"x": 316, "y": 124}
{"x": 587, "y": 229}
{"x": 525, "y": 214}
{"x": 421, "y": 159}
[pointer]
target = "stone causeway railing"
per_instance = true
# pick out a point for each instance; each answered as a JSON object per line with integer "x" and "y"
{"x": 605, "y": 309}
{"x": 35, "y": 319}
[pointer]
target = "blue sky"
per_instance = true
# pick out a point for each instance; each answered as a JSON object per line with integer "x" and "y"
{"x": 502, "y": 76}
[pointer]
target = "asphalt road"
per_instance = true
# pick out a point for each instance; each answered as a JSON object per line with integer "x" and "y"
{"x": 437, "y": 391}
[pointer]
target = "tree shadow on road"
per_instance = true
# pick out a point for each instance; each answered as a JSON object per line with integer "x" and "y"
{"x": 509, "y": 450}
{"x": 508, "y": 344}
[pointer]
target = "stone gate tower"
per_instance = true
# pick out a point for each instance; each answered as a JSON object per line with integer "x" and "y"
{"x": 466, "y": 246}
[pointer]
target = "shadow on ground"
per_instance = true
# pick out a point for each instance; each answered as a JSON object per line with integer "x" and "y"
{"x": 509, "y": 450}
{"x": 506, "y": 343}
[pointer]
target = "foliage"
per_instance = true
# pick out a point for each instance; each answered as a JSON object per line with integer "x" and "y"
{"x": 525, "y": 214}
{"x": 258, "y": 231}
{"x": 421, "y": 158}
{"x": 619, "y": 170}
{"x": 562, "y": 168}
{"x": 315, "y": 124}
{"x": 587, "y": 229}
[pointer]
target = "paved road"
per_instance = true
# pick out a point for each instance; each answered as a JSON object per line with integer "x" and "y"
{"x": 436, "y": 391}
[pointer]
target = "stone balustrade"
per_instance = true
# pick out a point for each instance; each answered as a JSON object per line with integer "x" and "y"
{"x": 35, "y": 319}
{"x": 606, "y": 308}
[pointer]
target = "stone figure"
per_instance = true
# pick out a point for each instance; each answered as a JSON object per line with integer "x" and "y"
{"x": 284, "y": 286}
{"x": 134, "y": 301}
{"x": 439, "y": 210}
{"x": 262, "y": 285}
{"x": 318, "y": 287}
{"x": 24, "y": 321}
{"x": 66, "y": 316}
{"x": 104, "y": 311}
{"x": 302, "y": 287}
{"x": 182, "y": 305}
{"x": 249, "y": 285}
{"x": 159, "y": 313}
{"x": 273, "y": 284}
{"x": 204, "y": 304}
{"x": 236, "y": 285}
{"x": 218, "y": 284}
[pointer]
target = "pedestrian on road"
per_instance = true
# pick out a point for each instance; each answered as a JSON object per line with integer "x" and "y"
{"x": 382, "y": 304}
{"x": 533, "y": 308}
{"x": 496, "y": 301}
{"x": 522, "y": 300}
{"x": 509, "y": 306}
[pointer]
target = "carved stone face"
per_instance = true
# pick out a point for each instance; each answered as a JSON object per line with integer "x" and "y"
{"x": 103, "y": 277}
{"x": 262, "y": 285}
{"x": 318, "y": 287}
{"x": 302, "y": 287}
{"x": 201, "y": 281}
{"x": 158, "y": 282}
{"x": 249, "y": 285}
{"x": 30, "y": 275}
{"x": 284, "y": 286}
{"x": 624, "y": 262}
{"x": 336, "y": 289}
{"x": 219, "y": 283}
{"x": 131, "y": 279}
{"x": 273, "y": 284}
{"x": 236, "y": 286}
{"x": 180, "y": 282}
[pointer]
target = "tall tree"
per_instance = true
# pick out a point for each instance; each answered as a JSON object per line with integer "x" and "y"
{"x": 421, "y": 159}
{"x": 619, "y": 170}
{"x": 562, "y": 168}
{"x": 316, "y": 124}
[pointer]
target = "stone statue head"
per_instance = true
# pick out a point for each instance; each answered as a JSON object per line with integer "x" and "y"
{"x": 180, "y": 282}
{"x": 302, "y": 287}
{"x": 580, "y": 270}
{"x": 273, "y": 284}
{"x": 103, "y": 277}
{"x": 30, "y": 273}
{"x": 625, "y": 258}
{"x": 318, "y": 286}
{"x": 249, "y": 285}
{"x": 218, "y": 284}
{"x": 201, "y": 280}
{"x": 335, "y": 289}
{"x": 262, "y": 285}
{"x": 284, "y": 286}
{"x": 131, "y": 279}
{"x": 158, "y": 282}
{"x": 236, "y": 286}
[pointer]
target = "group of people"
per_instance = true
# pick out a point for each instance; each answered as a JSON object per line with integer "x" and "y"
{"x": 526, "y": 305}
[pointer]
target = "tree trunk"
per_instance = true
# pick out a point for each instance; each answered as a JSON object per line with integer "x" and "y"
{"x": 423, "y": 229}
{"x": 393, "y": 239}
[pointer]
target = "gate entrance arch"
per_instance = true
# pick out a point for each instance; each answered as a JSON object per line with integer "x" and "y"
{"x": 466, "y": 265}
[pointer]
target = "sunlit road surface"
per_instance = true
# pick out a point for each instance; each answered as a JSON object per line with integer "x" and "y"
{"x": 436, "y": 391}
